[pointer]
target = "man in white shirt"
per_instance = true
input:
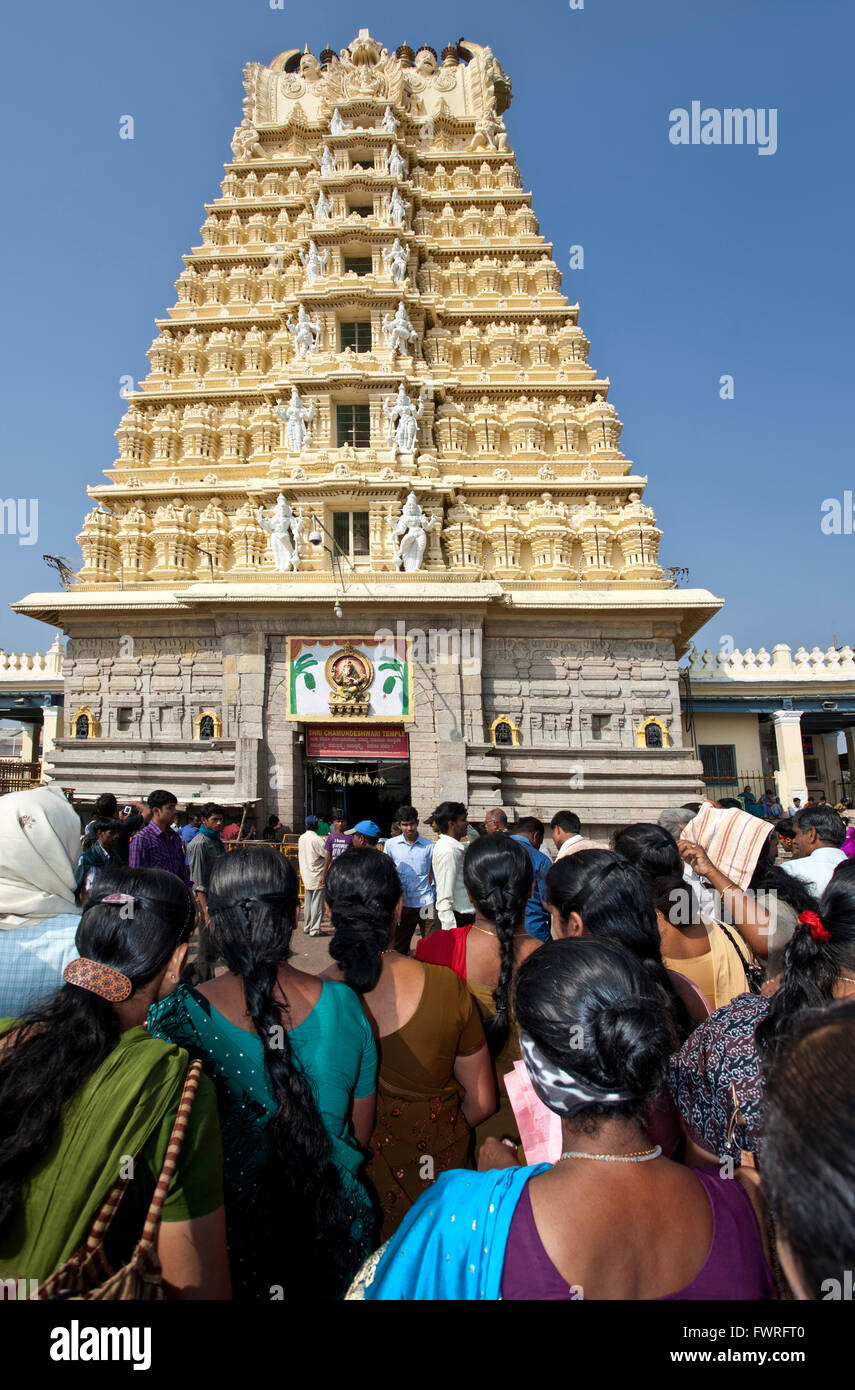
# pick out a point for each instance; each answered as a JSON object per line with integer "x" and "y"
{"x": 311, "y": 855}
{"x": 796, "y": 806}
{"x": 818, "y": 834}
{"x": 566, "y": 831}
{"x": 453, "y": 908}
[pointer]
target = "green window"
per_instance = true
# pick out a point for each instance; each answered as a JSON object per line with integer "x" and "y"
{"x": 360, "y": 265}
{"x": 350, "y": 533}
{"x": 719, "y": 763}
{"x": 353, "y": 426}
{"x": 356, "y": 336}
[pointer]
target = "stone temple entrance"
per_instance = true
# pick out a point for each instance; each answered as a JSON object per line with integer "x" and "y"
{"x": 363, "y": 790}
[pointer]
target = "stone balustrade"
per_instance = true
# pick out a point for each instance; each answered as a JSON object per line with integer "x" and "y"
{"x": 834, "y": 664}
{"x": 14, "y": 665}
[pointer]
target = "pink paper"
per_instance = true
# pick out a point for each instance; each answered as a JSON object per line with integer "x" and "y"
{"x": 540, "y": 1129}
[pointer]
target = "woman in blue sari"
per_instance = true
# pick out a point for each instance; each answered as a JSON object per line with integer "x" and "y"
{"x": 613, "y": 1218}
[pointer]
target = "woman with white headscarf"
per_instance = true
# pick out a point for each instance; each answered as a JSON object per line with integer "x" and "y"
{"x": 39, "y": 847}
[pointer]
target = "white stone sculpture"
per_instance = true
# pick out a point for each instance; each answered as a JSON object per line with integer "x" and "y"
{"x": 403, "y": 418}
{"x": 327, "y": 162}
{"x": 490, "y": 133}
{"x": 337, "y": 125}
{"x": 395, "y": 163}
{"x": 398, "y": 208}
{"x": 315, "y": 263}
{"x": 297, "y": 419}
{"x": 409, "y": 533}
{"x": 305, "y": 332}
{"x": 245, "y": 142}
{"x": 396, "y": 261}
{"x": 398, "y": 331}
{"x": 389, "y": 123}
{"x": 284, "y": 529}
{"x": 322, "y": 208}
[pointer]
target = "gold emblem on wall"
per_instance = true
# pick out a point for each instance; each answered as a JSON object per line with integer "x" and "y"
{"x": 349, "y": 675}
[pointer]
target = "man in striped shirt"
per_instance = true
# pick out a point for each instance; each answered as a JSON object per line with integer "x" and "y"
{"x": 157, "y": 845}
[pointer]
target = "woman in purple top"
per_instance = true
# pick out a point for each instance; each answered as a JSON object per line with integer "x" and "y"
{"x": 613, "y": 1218}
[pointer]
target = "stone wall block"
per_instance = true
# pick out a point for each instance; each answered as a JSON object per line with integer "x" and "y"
{"x": 603, "y": 689}
{"x": 560, "y": 689}
{"x": 500, "y": 686}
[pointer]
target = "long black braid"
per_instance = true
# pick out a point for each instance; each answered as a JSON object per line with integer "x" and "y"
{"x": 498, "y": 877}
{"x": 303, "y": 1209}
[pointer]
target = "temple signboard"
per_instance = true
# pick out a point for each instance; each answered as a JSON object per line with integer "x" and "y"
{"x": 367, "y": 679}
{"x": 349, "y": 741}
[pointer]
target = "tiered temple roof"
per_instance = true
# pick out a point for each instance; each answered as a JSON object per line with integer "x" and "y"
{"x": 371, "y": 191}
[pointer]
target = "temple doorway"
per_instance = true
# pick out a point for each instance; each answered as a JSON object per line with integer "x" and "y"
{"x": 364, "y": 790}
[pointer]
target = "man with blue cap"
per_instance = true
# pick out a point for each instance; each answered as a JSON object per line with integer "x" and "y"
{"x": 366, "y": 835}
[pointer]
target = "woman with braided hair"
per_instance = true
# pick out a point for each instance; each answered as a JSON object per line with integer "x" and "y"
{"x": 498, "y": 878}
{"x": 84, "y": 1088}
{"x": 294, "y": 1064}
{"x": 718, "y": 1079}
{"x": 435, "y": 1079}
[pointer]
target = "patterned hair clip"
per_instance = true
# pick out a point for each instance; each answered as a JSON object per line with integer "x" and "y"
{"x": 99, "y": 979}
{"x": 118, "y": 898}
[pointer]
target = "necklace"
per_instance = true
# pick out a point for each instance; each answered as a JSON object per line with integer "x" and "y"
{"x": 640, "y": 1156}
{"x": 487, "y": 932}
{"x": 848, "y": 978}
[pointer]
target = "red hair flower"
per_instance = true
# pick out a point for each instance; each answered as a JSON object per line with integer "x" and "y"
{"x": 817, "y": 930}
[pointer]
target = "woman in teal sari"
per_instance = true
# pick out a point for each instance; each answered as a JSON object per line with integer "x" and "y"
{"x": 612, "y": 1218}
{"x": 83, "y": 1089}
{"x": 294, "y": 1063}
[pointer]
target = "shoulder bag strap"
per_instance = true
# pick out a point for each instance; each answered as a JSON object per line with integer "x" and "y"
{"x": 173, "y": 1151}
{"x": 751, "y": 971}
{"x": 103, "y": 1220}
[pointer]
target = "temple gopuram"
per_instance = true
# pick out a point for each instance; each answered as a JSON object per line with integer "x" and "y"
{"x": 370, "y": 537}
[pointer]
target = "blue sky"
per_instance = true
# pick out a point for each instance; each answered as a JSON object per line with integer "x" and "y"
{"x": 699, "y": 261}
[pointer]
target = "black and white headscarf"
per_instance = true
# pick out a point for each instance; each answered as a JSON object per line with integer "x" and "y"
{"x": 560, "y": 1092}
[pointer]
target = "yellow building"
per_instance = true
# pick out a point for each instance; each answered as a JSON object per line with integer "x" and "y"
{"x": 370, "y": 536}
{"x": 773, "y": 721}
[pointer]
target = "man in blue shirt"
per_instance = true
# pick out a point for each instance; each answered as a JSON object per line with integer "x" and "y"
{"x": 189, "y": 831}
{"x": 529, "y": 833}
{"x": 411, "y": 854}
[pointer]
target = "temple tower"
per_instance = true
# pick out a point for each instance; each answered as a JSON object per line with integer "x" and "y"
{"x": 371, "y": 397}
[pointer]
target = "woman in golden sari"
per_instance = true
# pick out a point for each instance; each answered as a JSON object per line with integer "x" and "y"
{"x": 435, "y": 1081}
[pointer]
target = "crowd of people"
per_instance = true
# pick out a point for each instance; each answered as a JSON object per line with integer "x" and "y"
{"x": 620, "y": 1070}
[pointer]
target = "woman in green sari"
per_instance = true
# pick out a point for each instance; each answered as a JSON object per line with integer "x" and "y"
{"x": 84, "y": 1090}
